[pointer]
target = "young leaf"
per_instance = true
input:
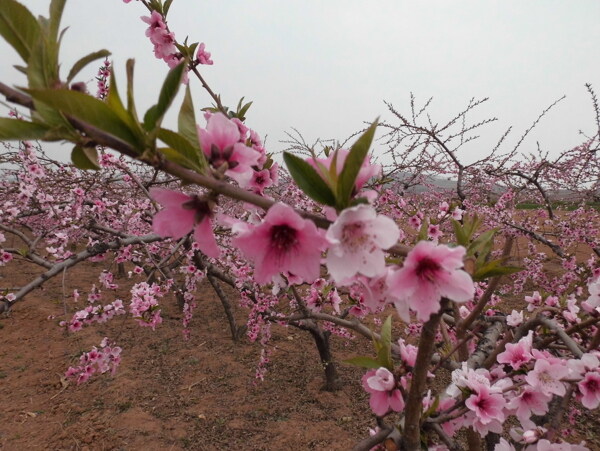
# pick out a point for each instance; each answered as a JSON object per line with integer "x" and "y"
{"x": 364, "y": 362}
{"x": 130, "y": 100}
{"x": 87, "y": 109}
{"x": 19, "y": 130}
{"x": 82, "y": 62}
{"x": 352, "y": 165}
{"x": 459, "y": 231}
{"x": 308, "y": 180}
{"x": 384, "y": 353}
{"x": 56, "y": 12}
{"x": 186, "y": 121}
{"x": 113, "y": 100}
{"x": 494, "y": 268}
{"x": 480, "y": 242}
{"x": 18, "y": 27}
{"x": 169, "y": 90}
{"x": 85, "y": 158}
{"x": 188, "y": 152}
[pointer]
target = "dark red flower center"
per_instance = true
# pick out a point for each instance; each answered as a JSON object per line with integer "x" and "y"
{"x": 427, "y": 269}
{"x": 283, "y": 237}
{"x": 200, "y": 206}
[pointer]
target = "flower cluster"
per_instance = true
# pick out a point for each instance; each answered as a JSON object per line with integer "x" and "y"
{"x": 98, "y": 360}
{"x": 144, "y": 306}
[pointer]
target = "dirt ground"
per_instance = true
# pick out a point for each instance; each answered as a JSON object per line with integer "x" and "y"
{"x": 168, "y": 394}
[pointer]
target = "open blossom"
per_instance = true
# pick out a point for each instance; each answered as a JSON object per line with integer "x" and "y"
{"x": 546, "y": 377}
{"x": 222, "y": 143}
{"x": 181, "y": 214}
{"x": 367, "y": 170}
{"x": 529, "y": 401}
{"x": 487, "y": 405}
{"x": 429, "y": 273}
{"x": 284, "y": 241}
{"x": 515, "y": 318}
{"x": 590, "y": 390}
{"x": 517, "y": 354}
{"x": 356, "y": 240}
{"x": 384, "y": 394}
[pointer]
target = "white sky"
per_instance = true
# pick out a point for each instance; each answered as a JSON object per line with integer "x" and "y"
{"x": 325, "y": 67}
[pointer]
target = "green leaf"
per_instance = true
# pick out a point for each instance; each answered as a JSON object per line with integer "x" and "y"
{"x": 494, "y": 268}
{"x": 170, "y": 87}
{"x": 471, "y": 225}
{"x": 56, "y": 12}
{"x": 480, "y": 242}
{"x": 364, "y": 362}
{"x": 186, "y": 121}
{"x": 18, "y": 27}
{"x": 352, "y": 165}
{"x": 87, "y": 109}
{"x": 459, "y": 231}
{"x": 82, "y": 62}
{"x": 20, "y": 130}
{"x": 308, "y": 180}
{"x": 113, "y": 100}
{"x": 423, "y": 231}
{"x": 166, "y": 6}
{"x": 85, "y": 158}
{"x": 384, "y": 352}
{"x": 189, "y": 154}
{"x": 130, "y": 100}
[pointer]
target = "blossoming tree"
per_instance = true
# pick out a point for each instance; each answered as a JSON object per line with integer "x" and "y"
{"x": 343, "y": 240}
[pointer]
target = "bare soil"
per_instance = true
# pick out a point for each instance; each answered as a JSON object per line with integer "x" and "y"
{"x": 168, "y": 394}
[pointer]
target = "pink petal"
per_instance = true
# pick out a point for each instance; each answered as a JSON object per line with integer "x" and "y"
{"x": 204, "y": 236}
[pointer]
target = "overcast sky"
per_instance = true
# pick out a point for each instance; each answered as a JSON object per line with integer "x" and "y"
{"x": 325, "y": 67}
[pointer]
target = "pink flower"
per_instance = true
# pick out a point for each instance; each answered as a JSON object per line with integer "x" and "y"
{"x": 515, "y": 318}
{"x": 181, "y": 214}
{"x": 222, "y": 143}
{"x": 367, "y": 170}
{"x": 517, "y": 354}
{"x": 430, "y": 272}
{"x": 384, "y": 394}
{"x": 202, "y": 56}
{"x": 486, "y": 405}
{"x": 546, "y": 377}
{"x": 530, "y": 401}
{"x": 357, "y": 238}
{"x": 590, "y": 389}
{"x": 284, "y": 241}
{"x": 434, "y": 232}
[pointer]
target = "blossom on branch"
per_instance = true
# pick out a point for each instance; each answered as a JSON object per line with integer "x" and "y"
{"x": 284, "y": 241}
{"x": 223, "y": 144}
{"x": 181, "y": 214}
{"x": 357, "y": 239}
{"x": 430, "y": 272}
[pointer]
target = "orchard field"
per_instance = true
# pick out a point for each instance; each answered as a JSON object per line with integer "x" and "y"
{"x": 180, "y": 286}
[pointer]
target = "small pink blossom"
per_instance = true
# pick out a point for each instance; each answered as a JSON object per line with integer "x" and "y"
{"x": 384, "y": 394}
{"x": 356, "y": 239}
{"x": 517, "y": 354}
{"x": 429, "y": 273}
{"x": 284, "y": 241}
{"x": 546, "y": 377}
{"x": 590, "y": 390}
{"x": 181, "y": 214}
{"x": 202, "y": 56}
{"x": 222, "y": 143}
{"x": 486, "y": 405}
{"x": 515, "y": 318}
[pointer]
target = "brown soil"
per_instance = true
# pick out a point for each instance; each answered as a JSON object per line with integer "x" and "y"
{"x": 168, "y": 394}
